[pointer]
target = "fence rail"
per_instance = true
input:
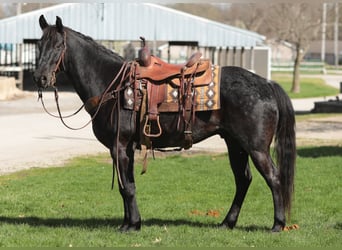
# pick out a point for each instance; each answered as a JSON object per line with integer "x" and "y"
{"x": 17, "y": 58}
{"x": 304, "y": 66}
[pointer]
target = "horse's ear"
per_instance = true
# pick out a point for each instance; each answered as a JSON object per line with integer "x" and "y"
{"x": 42, "y": 22}
{"x": 59, "y": 24}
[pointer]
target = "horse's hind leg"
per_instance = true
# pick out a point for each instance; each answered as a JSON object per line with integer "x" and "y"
{"x": 263, "y": 162}
{"x": 239, "y": 163}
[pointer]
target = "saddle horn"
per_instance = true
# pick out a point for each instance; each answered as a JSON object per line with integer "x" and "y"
{"x": 144, "y": 55}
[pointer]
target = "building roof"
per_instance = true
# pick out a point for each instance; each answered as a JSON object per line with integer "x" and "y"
{"x": 128, "y": 21}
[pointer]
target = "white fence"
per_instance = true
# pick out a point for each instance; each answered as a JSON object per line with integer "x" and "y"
{"x": 304, "y": 66}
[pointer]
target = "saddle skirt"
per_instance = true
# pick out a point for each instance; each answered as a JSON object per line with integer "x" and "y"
{"x": 205, "y": 85}
{"x": 206, "y": 95}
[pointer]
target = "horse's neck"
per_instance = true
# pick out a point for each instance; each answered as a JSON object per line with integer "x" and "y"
{"x": 89, "y": 69}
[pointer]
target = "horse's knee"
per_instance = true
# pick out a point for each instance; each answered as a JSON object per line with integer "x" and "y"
{"x": 128, "y": 190}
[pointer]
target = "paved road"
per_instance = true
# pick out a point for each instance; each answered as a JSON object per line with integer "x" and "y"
{"x": 29, "y": 137}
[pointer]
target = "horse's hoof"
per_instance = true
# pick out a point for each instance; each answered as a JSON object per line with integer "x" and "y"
{"x": 224, "y": 225}
{"x": 125, "y": 228}
{"x": 277, "y": 228}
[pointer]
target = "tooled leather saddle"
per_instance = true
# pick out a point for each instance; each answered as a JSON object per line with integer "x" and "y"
{"x": 152, "y": 77}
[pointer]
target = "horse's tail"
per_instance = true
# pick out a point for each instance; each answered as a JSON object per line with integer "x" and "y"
{"x": 285, "y": 145}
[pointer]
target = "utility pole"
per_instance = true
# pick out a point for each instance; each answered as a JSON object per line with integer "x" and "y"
{"x": 18, "y": 9}
{"x": 336, "y": 35}
{"x": 324, "y": 25}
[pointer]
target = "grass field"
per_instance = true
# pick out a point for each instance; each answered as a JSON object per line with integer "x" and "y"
{"x": 310, "y": 87}
{"x": 181, "y": 198}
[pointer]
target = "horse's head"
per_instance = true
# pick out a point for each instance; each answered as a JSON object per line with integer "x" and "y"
{"x": 51, "y": 49}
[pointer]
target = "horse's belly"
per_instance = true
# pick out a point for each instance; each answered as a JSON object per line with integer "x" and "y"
{"x": 168, "y": 140}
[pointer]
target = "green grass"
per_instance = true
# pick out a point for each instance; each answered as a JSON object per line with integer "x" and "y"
{"x": 310, "y": 87}
{"x": 74, "y": 206}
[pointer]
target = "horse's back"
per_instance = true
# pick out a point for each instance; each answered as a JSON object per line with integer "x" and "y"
{"x": 243, "y": 83}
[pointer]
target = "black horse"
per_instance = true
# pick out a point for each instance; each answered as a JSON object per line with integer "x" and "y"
{"x": 253, "y": 112}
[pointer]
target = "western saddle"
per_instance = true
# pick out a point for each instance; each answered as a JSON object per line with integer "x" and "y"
{"x": 151, "y": 76}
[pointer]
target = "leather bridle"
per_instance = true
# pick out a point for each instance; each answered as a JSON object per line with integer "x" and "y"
{"x": 53, "y": 81}
{"x": 106, "y": 95}
{"x": 60, "y": 59}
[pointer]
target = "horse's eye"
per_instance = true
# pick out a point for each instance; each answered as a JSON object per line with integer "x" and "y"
{"x": 58, "y": 46}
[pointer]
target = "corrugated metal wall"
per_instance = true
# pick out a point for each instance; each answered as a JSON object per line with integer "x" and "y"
{"x": 128, "y": 21}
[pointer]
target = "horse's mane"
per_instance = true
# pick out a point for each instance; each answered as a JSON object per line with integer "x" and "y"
{"x": 98, "y": 46}
{"x": 52, "y": 31}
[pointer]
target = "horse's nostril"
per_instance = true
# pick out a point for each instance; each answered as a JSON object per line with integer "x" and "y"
{"x": 40, "y": 79}
{"x": 35, "y": 79}
{"x": 43, "y": 81}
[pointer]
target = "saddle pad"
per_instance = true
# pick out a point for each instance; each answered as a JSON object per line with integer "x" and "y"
{"x": 206, "y": 97}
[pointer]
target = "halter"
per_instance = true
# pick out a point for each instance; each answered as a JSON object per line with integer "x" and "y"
{"x": 60, "y": 59}
{"x": 53, "y": 80}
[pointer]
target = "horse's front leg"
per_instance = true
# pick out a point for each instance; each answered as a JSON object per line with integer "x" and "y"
{"x": 125, "y": 175}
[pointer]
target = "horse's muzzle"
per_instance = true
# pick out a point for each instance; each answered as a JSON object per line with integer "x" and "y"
{"x": 42, "y": 81}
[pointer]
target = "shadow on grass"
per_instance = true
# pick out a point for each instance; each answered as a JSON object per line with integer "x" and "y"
{"x": 254, "y": 228}
{"x": 181, "y": 222}
{"x": 323, "y": 151}
{"x": 61, "y": 222}
{"x": 338, "y": 226}
{"x": 93, "y": 223}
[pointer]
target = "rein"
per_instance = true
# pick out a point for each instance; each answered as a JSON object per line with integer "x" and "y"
{"x": 106, "y": 95}
{"x": 40, "y": 97}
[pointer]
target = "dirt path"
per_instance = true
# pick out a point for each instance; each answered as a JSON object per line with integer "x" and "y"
{"x": 31, "y": 138}
{"x": 322, "y": 131}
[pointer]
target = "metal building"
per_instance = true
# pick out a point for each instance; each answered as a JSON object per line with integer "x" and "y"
{"x": 120, "y": 21}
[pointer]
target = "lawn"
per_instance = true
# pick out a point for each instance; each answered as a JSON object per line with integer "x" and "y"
{"x": 310, "y": 87}
{"x": 181, "y": 198}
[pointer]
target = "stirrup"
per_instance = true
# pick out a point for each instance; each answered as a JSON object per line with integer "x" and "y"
{"x": 147, "y": 128}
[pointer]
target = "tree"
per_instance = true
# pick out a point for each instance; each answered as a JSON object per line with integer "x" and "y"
{"x": 298, "y": 24}
{"x": 10, "y": 9}
{"x": 248, "y": 16}
{"x": 295, "y": 23}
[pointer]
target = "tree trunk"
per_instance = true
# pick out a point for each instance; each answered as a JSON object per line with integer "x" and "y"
{"x": 296, "y": 74}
